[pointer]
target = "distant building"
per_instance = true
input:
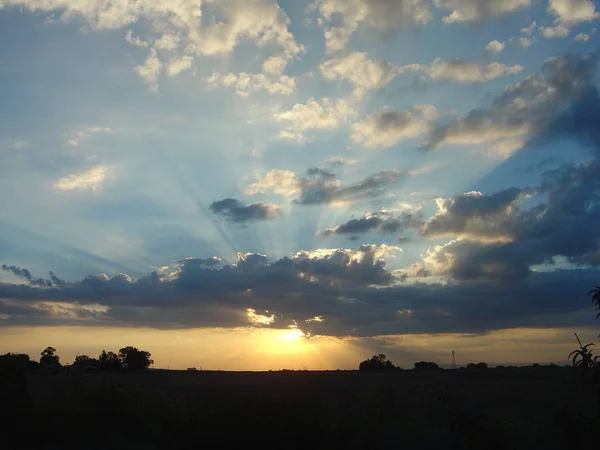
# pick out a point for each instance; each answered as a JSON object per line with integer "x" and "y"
{"x": 191, "y": 369}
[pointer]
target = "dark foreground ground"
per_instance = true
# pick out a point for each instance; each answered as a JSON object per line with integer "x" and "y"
{"x": 489, "y": 409}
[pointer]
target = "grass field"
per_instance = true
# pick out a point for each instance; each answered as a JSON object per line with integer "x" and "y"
{"x": 476, "y": 409}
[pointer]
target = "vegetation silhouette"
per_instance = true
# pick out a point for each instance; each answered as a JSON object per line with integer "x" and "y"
{"x": 377, "y": 362}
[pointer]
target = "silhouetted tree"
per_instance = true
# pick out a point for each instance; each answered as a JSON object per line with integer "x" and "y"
{"x": 49, "y": 357}
{"x": 136, "y": 359}
{"x": 596, "y": 298}
{"x": 109, "y": 360}
{"x": 85, "y": 360}
{"x": 480, "y": 365}
{"x": 14, "y": 362}
{"x": 423, "y": 365}
{"x": 377, "y": 362}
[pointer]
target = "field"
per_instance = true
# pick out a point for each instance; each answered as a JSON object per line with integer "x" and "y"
{"x": 525, "y": 408}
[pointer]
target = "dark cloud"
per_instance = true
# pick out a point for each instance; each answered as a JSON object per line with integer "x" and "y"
{"x": 319, "y": 187}
{"x": 335, "y": 286}
{"x": 235, "y": 211}
{"x": 525, "y": 109}
{"x": 476, "y": 215}
{"x": 385, "y": 222}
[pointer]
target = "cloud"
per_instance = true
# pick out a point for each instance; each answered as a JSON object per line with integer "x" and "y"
{"x": 495, "y": 46}
{"x": 379, "y": 15}
{"x": 479, "y": 10}
{"x": 179, "y": 64}
{"x": 88, "y": 179}
{"x": 573, "y": 11}
{"x": 313, "y": 115}
{"x": 321, "y": 187}
{"x": 460, "y": 71}
{"x": 180, "y": 25}
{"x": 582, "y": 37}
{"x": 388, "y": 128}
{"x": 274, "y": 65}
{"x": 235, "y": 211}
{"x": 246, "y": 83}
{"x": 558, "y": 31}
{"x": 131, "y": 39}
{"x": 360, "y": 71}
{"x": 526, "y": 42}
{"x": 19, "y": 145}
{"x": 568, "y": 13}
{"x": 384, "y": 222}
{"x": 350, "y": 290}
{"x": 477, "y": 216}
{"x": 338, "y": 161}
{"x": 529, "y": 29}
{"x": 150, "y": 70}
{"x": 82, "y": 134}
{"x": 523, "y": 108}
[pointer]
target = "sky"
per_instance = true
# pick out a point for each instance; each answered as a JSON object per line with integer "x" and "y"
{"x": 262, "y": 184}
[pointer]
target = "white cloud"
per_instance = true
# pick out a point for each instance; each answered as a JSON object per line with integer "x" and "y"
{"x": 167, "y": 42}
{"x": 380, "y": 15}
{"x": 558, "y": 31}
{"x": 84, "y": 133}
{"x": 478, "y": 10}
{"x": 495, "y": 46}
{"x": 19, "y": 145}
{"x": 526, "y": 42}
{"x": 274, "y": 65}
{"x": 573, "y": 11}
{"x": 460, "y": 71}
{"x": 245, "y": 83}
{"x": 284, "y": 182}
{"x": 135, "y": 40}
{"x": 180, "y": 22}
{"x": 88, "y": 179}
{"x": 505, "y": 148}
{"x": 361, "y": 72}
{"x": 387, "y": 128}
{"x": 293, "y": 136}
{"x": 312, "y": 115}
{"x": 582, "y": 37}
{"x": 150, "y": 70}
{"x": 529, "y": 29}
{"x": 179, "y": 64}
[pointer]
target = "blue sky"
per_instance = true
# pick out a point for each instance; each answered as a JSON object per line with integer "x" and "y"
{"x": 359, "y": 168}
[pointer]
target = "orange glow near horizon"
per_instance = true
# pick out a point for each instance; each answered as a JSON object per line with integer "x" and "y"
{"x": 255, "y": 349}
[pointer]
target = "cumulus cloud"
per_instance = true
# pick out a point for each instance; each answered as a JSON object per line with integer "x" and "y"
{"x": 388, "y": 128}
{"x": 235, "y": 211}
{"x": 573, "y": 11}
{"x": 568, "y": 13}
{"x": 529, "y": 29}
{"x": 321, "y": 186}
{"x": 582, "y": 37}
{"x": 179, "y": 64}
{"x": 559, "y": 31}
{"x": 523, "y": 108}
{"x": 495, "y": 46}
{"x": 19, "y": 145}
{"x": 88, "y": 179}
{"x": 477, "y": 216}
{"x": 245, "y": 83}
{"x": 479, "y": 10}
{"x": 384, "y": 222}
{"x": 360, "y": 71}
{"x": 461, "y": 71}
{"x": 181, "y": 24}
{"x": 314, "y": 115}
{"x": 150, "y": 70}
{"x": 350, "y": 290}
{"x": 274, "y": 65}
{"x": 379, "y": 15}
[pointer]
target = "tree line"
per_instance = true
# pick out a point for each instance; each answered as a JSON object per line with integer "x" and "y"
{"x": 107, "y": 360}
